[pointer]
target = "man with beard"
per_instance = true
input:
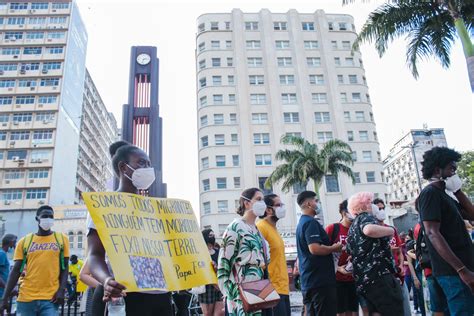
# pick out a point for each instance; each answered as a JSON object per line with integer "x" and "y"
{"x": 277, "y": 268}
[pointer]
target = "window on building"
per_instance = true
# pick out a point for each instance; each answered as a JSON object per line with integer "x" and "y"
{"x": 282, "y": 44}
{"x": 18, "y": 154}
{"x": 221, "y": 183}
{"x": 334, "y": 44}
{"x": 205, "y": 163}
{"x": 8, "y": 67}
{"x": 206, "y": 186}
{"x": 13, "y": 35}
{"x": 235, "y": 160}
{"x": 234, "y": 139}
{"x": 3, "y": 136}
{"x": 363, "y": 135}
{"x": 279, "y": 26}
{"x": 202, "y": 46}
{"x": 45, "y": 116}
{"x": 337, "y": 61}
{"x": 203, "y": 120}
{"x": 10, "y": 51}
{"x": 41, "y": 173}
{"x": 322, "y": 117}
{"x": 230, "y": 80}
{"x": 11, "y": 195}
{"x": 346, "y": 45}
{"x": 32, "y": 51}
{"x": 13, "y": 174}
{"x": 16, "y": 21}
{"x": 206, "y": 206}
{"x": 22, "y": 117}
{"x": 258, "y": 98}
{"x": 220, "y": 161}
{"x": 376, "y": 137}
{"x": 25, "y": 99}
{"x": 228, "y": 44}
{"x": 261, "y": 185}
{"x": 230, "y": 61}
{"x": 233, "y": 118}
{"x": 222, "y": 206}
{"x": 253, "y": 44}
{"x": 237, "y": 182}
{"x": 61, "y": 5}
{"x": 201, "y": 27}
{"x": 6, "y": 100}
{"x": 343, "y": 97}
{"x": 284, "y": 61}
{"x": 319, "y": 97}
{"x": 357, "y": 177}
{"x": 36, "y": 194}
{"x": 316, "y": 79}
{"x": 353, "y": 79}
{"x": 216, "y": 62}
{"x": 216, "y": 80}
{"x": 288, "y": 98}
{"x": 342, "y": 26}
{"x": 350, "y": 136}
{"x": 49, "y": 82}
{"x": 287, "y": 80}
{"x": 56, "y": 35}
{"x": 214, "y": 26}
{"x": 7, "y": 83}
{"x": 55, "y": 50}
{"x": 356, "y": 97}
{"x": 215, "y": 44}
{"x": 202, "y": 64}
{"x": 340, "y": 79}
{"x": 251, "y": 26}
{"x": 349, "y": 61}
{"x": 291, "y": 117}
{"x": 43, "y": 155}
{"x": 37, "y": 20}
{"x": 203, "y": 101}
{"x": 39, "y": 6}
{"x": 263, "y": 160}
{"x": 331, "y": 26}
{"x": 222, "y": 228}
{"x": 359, "y": 115}
{"x": 313, "y": 61}
{"x": 259, "y": 118}
{"x": 370, "y": 176}
{"x": 217, "y": 99}
{"x": 43, "y": 136}
{"x": 332, "y": 185}
{"x": 307, "y": 26}
{"x": 254, "y": 62}
{"x": 324, "y": 136}
{"x": 311, "y": 45}
{"x": 204, "y": 141}
{"x": 294, "y": 134}
{"x": 367, "y": 156}
{"x": 219, "y": 139}
{"x": 256, "y": 80}
{"x": 261, "y": 138}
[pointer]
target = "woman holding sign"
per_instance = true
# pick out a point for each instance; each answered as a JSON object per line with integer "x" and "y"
{"x": 242, "y": 256}
{"x": 133, "y": 168}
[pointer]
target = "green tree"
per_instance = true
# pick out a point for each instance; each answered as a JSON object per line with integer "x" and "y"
{"x": 305, "y": 162}
{"x": 430, "y": 26}
{"x": 466, "y": 173}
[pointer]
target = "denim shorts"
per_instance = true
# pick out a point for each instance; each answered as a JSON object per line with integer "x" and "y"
{"x": 458, "y": 295}
{"x": 437, "y": 299}
{"x": 37, "y": 308}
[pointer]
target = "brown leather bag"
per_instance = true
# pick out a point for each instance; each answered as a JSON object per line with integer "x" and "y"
{"x": 257, "y": 295}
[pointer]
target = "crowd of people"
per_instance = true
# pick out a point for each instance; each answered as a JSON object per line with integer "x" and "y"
{"x": 357, "y": 263}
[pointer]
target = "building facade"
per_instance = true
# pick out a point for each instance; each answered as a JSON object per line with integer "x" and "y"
{"x": 263, "y": 75}
{"x": 402, "y": 166}
{"x": 42, "y": 69}
{"x": 98, "y": 130}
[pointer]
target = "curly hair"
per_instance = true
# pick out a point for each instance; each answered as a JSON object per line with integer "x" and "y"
{"x": 437, "y": 157}
{"x": 360, "y": 202}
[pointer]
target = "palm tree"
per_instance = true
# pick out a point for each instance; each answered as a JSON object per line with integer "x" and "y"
{"x": 307, "y": 162}
{"x": 430, "y": 26}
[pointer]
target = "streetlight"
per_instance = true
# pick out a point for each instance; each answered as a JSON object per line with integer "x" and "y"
{"x": 412, "y": 148}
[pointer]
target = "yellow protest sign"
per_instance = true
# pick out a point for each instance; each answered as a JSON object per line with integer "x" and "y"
{"x": 152, "y": 244}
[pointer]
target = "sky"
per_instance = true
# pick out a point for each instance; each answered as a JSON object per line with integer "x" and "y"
{"x": 439, "y": 98}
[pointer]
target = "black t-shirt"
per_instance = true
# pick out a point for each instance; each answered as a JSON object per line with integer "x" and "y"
{"x": 434, "y": 205}
{"x": 315, "y": 271}
{"x": 371, "y": 257}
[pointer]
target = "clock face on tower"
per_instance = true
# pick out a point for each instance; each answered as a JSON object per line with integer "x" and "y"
{"x": 143, "y": 59}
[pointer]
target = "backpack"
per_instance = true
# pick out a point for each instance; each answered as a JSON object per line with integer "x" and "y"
{"x": 421, "y": 249}
{"x": 27, "y": 248}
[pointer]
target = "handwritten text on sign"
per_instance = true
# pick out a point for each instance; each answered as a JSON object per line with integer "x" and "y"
{"x": 152, "y": 244}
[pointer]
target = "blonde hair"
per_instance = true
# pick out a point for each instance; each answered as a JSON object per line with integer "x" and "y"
{"x": 360, "y": 202}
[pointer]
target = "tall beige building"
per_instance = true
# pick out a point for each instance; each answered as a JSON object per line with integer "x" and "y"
{"x": 263, "y": 75}
{"x": 98, "y": 130}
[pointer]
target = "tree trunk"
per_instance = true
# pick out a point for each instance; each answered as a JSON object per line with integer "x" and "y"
{"x": 468, "y": 48}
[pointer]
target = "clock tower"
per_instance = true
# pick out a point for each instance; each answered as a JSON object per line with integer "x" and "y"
{"x": 141, "y": 123}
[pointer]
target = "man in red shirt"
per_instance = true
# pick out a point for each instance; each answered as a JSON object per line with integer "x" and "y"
{"x": 347, "y": 302}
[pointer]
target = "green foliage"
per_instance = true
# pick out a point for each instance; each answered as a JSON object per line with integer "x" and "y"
{"x": 305, "y": 162}
{"x": 429, "y": 26}
{"x": 466, "y": 172}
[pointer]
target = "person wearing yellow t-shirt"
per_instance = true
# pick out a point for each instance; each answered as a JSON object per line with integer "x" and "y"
{"x": 74, "y": 269}
{"x": 277, "y": 268}
{"x": 45, "y": 256}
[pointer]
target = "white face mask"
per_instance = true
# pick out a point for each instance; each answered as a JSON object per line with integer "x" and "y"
{"x": 280, "y": 212}
{"x": 374, "y": 209}
{"x": 46, "y": 223}
{"x": 259, "y": 208}
{"x": 142, "y": 178}
{"x": 380, "y": 215}
{"x": 453, "y": 183}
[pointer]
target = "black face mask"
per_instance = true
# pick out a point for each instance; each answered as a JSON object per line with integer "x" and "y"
{"x": 210, "y": 240}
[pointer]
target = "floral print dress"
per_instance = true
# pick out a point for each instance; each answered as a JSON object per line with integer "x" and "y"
{"x": 241, "y": 253}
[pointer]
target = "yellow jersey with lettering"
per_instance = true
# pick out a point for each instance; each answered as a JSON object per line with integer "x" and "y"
{"x": 75, "y": 269}
{"x": 277, "y": 268}
{"x": 43, "y": 268}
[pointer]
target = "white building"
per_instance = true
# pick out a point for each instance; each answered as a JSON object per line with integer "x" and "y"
{"x": 263, "y": 75}
{"x": 402, "y": 166}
